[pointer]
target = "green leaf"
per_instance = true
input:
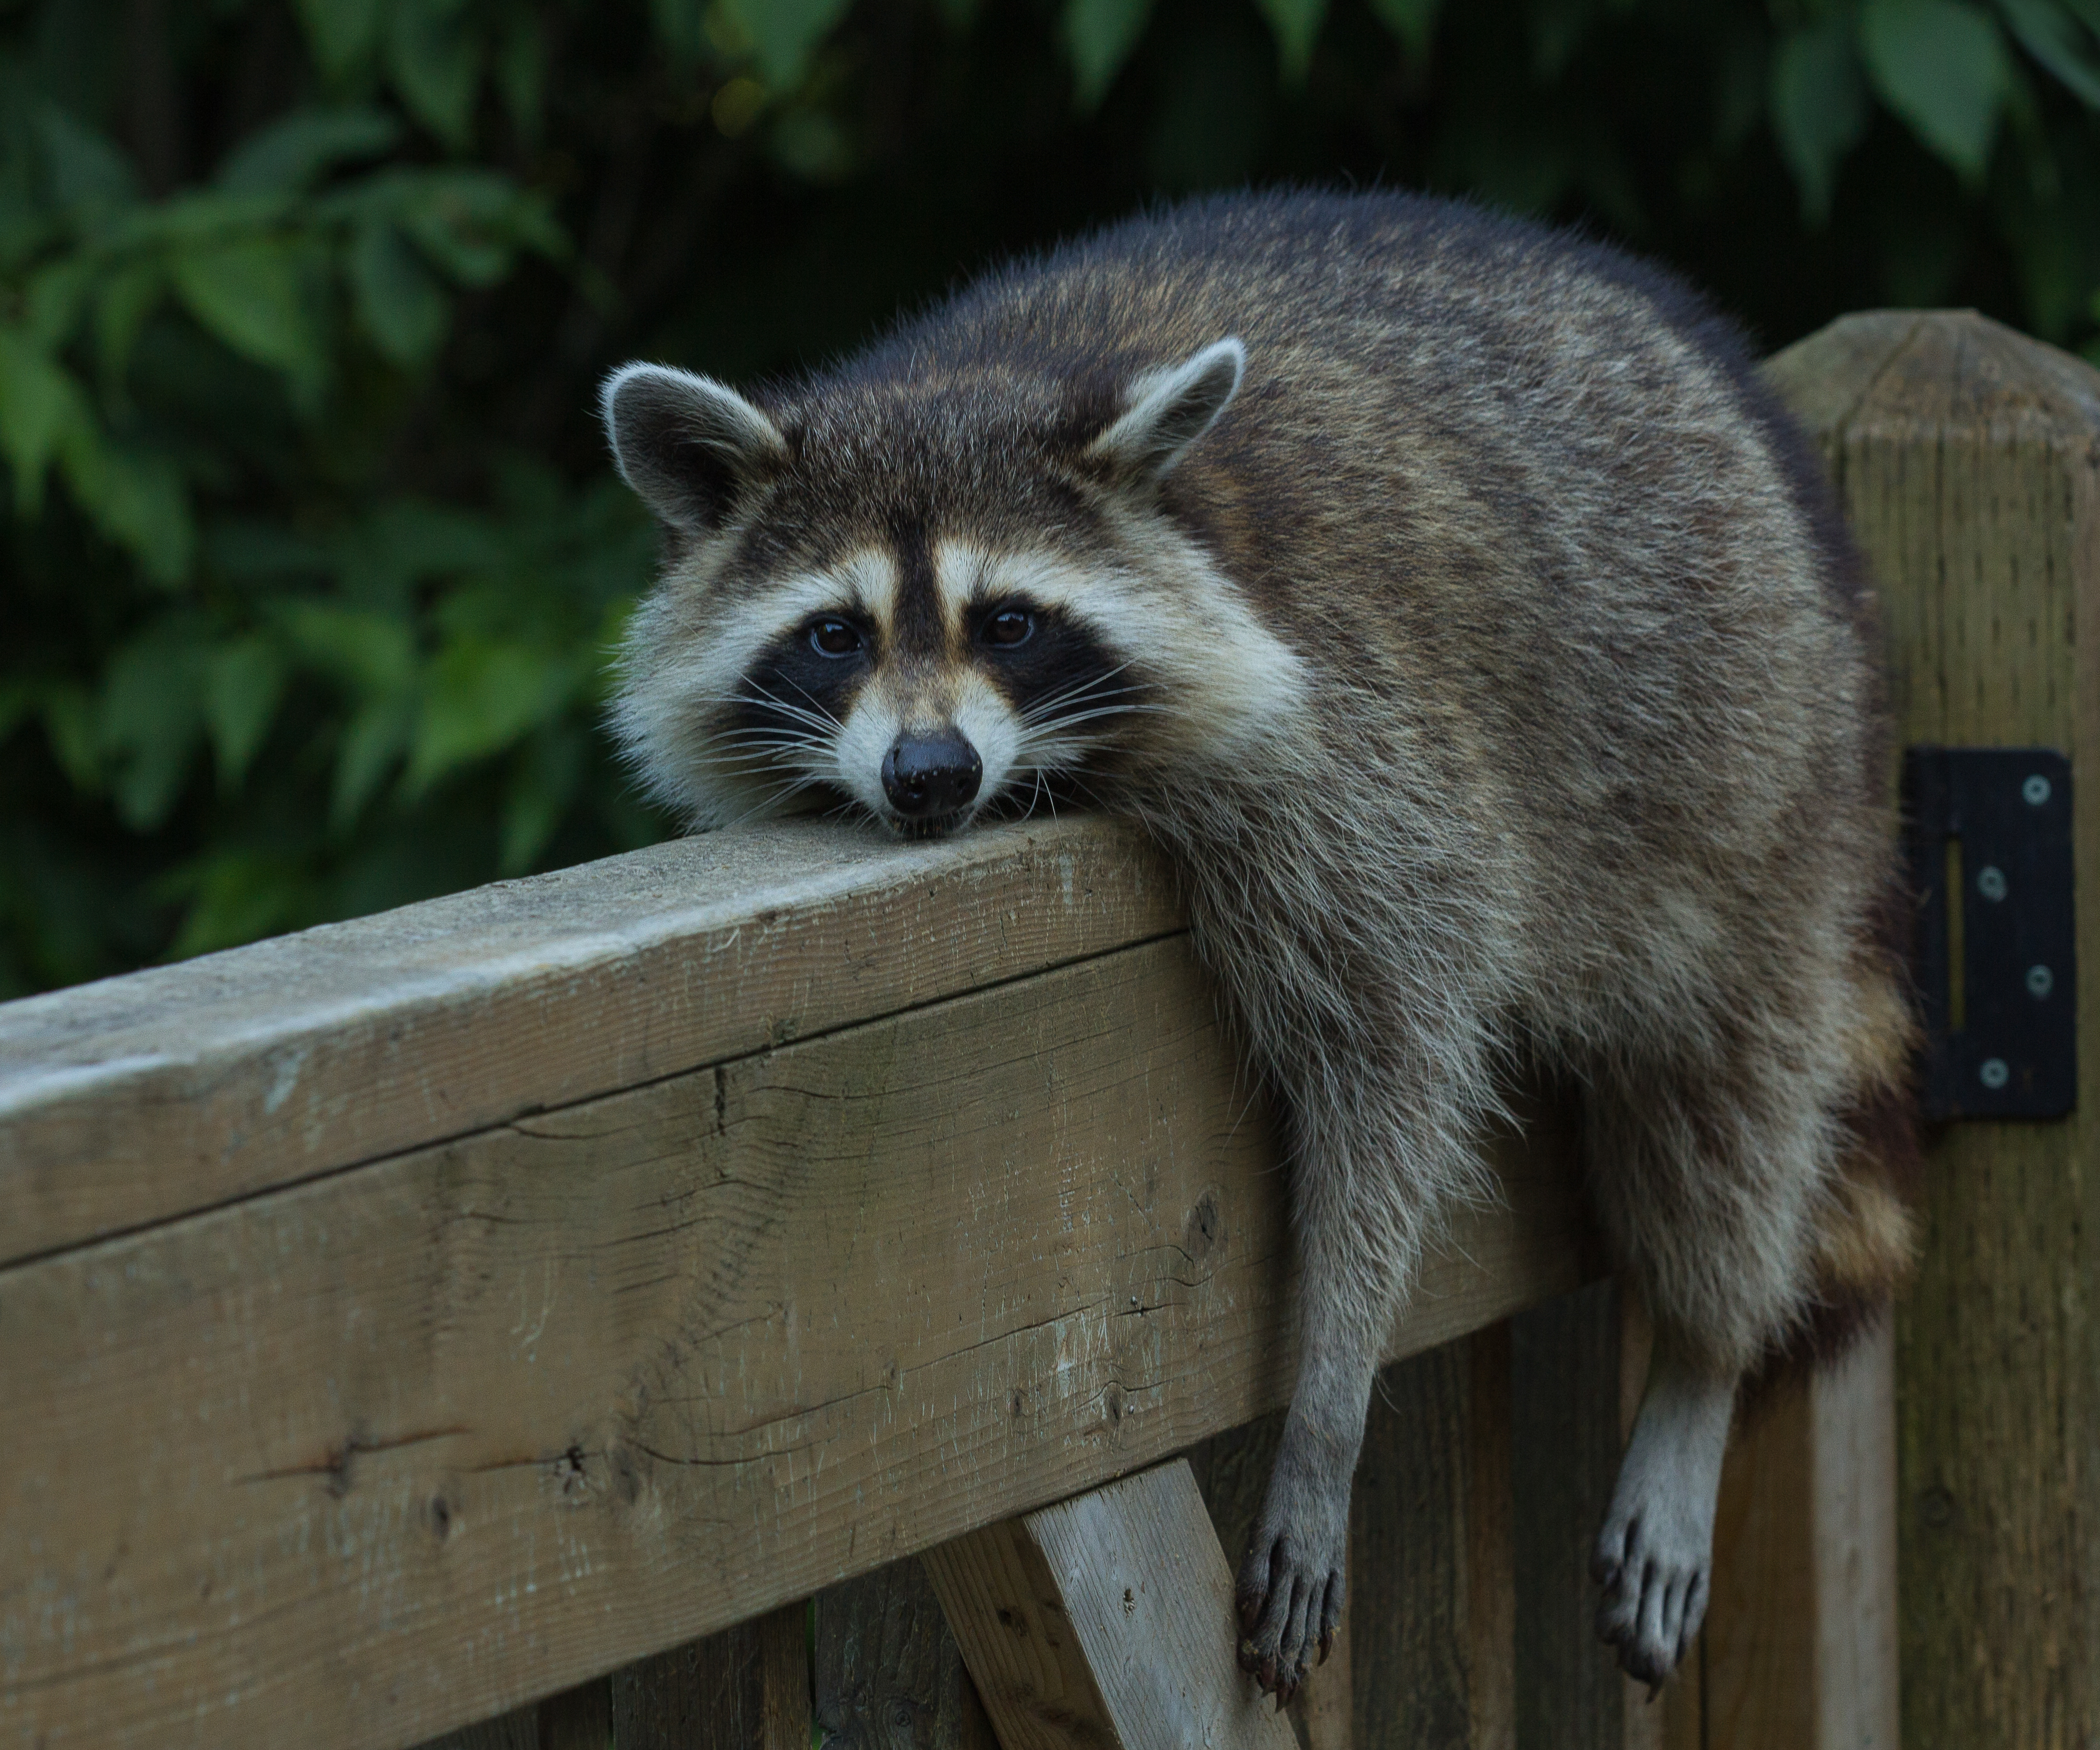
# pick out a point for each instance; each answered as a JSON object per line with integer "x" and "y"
{"x": 399, "y": 301}
{"x": 784, "y": 33}
{"x": 813, "y": 146}
{"x": 371, "y": 654}
{"x": 128, "y": 296}
{"x": 434, "y": 59}
{"x": 248, "y": 293}
{"x": 478, "y": 699}
{"x": 1939, "y": 65}
{"x": 341, "y": 34}
{"x": 70, "y": 727}
{"x": 1818, "y": 111}
{"x": 376, "y": 739}
{"x": 521, "y": 72}
{"x": 2051, "y": 34}
{"x": 246, "y": 550}
{"x": 296, "y": 151}
{"x": 543, "y": 785}
{"x": 151, "y": 719}
{"x": 680, "y": 28}
{"x": 87, "y": 172}
{"x": 1100, "y": 35}
{"x": 1296, "y": 23}
{"x": 144, "y": 506}
{"x": 56, "y": 296}
{"x": 196, "y": 217}
{"x": 471, "y": 223}
{"x": 406, "y": 541}
{"x": 236, "y": 896}
{"x": 244, "y": 683}
{"x": 39, "y": 404}
{"x": 1413, "y": 21}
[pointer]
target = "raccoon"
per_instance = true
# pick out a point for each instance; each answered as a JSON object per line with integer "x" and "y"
{"x": 1450, "y": 600}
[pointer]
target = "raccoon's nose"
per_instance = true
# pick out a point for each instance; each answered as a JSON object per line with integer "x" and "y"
{"x": 927, "y": 775}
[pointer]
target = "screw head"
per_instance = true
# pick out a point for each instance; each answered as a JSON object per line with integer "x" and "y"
{"x": 2041, "y": 981}
{"x": 1991, "y": 882}
{"x": 2035, "y": 792}
{"x": 1993, "y": 1074}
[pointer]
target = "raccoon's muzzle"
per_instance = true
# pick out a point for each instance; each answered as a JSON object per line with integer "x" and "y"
{"x": 927, "y": 776}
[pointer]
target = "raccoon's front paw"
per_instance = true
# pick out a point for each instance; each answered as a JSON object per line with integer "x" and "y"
{"x": 1291, "y": 1583}
{"x": 1654, "y": 1592}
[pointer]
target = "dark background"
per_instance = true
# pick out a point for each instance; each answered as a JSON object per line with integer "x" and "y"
{"x": 312, "y": 554}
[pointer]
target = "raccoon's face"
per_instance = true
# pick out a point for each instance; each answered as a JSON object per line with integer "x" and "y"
{"x": 917, "y": 605}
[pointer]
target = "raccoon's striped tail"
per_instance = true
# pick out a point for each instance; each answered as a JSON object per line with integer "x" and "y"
{"x": 1866, "y": 1240}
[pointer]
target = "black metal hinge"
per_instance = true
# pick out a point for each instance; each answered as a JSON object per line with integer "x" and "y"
{"x": 1988, "y": 832}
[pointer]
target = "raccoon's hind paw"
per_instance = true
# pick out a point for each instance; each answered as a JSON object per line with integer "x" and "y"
{"x": 1289, "y": 1620}
{"x": 1290, "y": 1584}
{"x": 1655, "y": 1556}
{"x": 1655, "y": 1599}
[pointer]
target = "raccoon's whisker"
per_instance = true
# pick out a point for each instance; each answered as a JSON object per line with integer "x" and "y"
{"x": 1087, "y": 689}
{"x": 820, "y": 718}
{"x": 1084, "y": 716}
{"x": 774, "y": 796}
{"x": 774, "y": 739}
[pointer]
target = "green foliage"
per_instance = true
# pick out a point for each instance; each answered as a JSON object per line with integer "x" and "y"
{"x": 313, "y": 558}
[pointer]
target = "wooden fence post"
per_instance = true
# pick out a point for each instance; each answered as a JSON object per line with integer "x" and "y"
{"x": 1967, "y": 458}
{"x": 888, "y": 1675}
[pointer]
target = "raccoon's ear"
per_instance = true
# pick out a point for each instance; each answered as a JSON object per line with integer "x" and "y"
{"x": 1167, "y": 410}
{"x": 685, "y": 444}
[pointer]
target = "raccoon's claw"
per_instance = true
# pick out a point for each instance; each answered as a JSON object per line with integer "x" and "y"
{"x": 1653, "y": 1606}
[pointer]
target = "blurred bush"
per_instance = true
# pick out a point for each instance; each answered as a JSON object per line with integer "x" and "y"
{"x": 312, "y": 557}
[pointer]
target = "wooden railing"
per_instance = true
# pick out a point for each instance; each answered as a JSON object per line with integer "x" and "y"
{"x": 417, "y": 1319}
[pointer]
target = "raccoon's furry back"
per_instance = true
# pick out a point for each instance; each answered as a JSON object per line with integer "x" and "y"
{"x": 1581, "y": 758}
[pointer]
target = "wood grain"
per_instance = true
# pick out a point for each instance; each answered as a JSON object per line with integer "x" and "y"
{"x": 1564, "y": 1451}
{"x": 1106, "y": 1622}
{"x": 360, "y": 1461}
{"x": 578, "y": 1718}
{"x": 1432, "y": 1598}
{"x": 888, "y": 1674}
{"x": 138, "y": 1099}
{"x": 746, "y": 1688}
{"x": 1968, "y": 461}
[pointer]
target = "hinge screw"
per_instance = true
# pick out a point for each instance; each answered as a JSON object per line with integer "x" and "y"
{"x": 1991, "y": 882}
{"x": 2041, "y": 981}
{"x": 1993, "y": 1073}
{"x": 2035, "y": 792}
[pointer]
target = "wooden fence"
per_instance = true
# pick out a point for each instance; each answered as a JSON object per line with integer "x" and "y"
{"x": 567, "y": 1313}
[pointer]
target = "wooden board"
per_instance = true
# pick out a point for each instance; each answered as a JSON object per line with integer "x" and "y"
{"x": 1106, "y": 1622}
{"x": 1432, "y": 1598}
{"x": 1564, "y": 1452}
{"x": 1800, "y": 1645}
{"x": 138, "y": 1099}
{"x": 746, "y": 1688}
{"x": 1968, "y": 461}
{"x": 888, "y": 1674}
{"x": 352, "y": 1463}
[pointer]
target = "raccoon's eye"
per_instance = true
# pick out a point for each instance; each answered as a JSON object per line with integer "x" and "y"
{"x": 1009, "y": 627}
{"x": 834, "y": 637}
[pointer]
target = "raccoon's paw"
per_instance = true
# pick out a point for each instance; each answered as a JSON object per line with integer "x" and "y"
{"x": 1655, "y": 1555}
{"x": 1655, "y": 1594}
{"x": 1291, "y": 1583}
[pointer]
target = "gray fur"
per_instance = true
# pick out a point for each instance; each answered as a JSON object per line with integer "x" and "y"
{"x": 1492, "y": 668}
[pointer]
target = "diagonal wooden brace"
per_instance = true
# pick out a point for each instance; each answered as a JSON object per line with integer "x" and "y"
{"x": 1105, "y": 1622}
